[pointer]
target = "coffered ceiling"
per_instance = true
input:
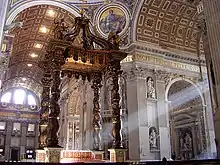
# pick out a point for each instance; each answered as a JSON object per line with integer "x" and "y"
{"x": 171, "y": 24}
{"x": 30, "y": 43}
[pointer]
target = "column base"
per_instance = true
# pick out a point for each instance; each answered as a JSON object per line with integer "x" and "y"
{"x": 40, "y": 155}
{"x": 52, "y": 155}
{"x": 117, "y": 155}
{"x": 99, "y": 155}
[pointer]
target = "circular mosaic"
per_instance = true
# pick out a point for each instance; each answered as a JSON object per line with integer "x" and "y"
{"x": 112, "y": 19}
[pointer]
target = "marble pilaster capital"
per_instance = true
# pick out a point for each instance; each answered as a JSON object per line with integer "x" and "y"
{"x": 24, "y": 123}
{"x": 137, "y": 72}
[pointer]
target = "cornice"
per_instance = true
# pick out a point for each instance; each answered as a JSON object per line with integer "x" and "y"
{"x": 150, "y": 49}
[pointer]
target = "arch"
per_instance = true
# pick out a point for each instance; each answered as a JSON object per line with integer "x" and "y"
{"x": 136, "y": 16}
{"x": 24, "y": 5}
{"x": 184, "y": 116}
{"x": 196, "y": 86}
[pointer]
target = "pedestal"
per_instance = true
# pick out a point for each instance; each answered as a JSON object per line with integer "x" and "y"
{"x": 99, "y": 155}
{"x": 117, "y": 155}
{"x": 52, "y": 155}
{"x": 40, "y": 155}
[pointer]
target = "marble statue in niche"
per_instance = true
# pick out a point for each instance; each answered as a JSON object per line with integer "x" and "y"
{"x": 112, "y": 20}
{"x": 186, "y": 146}
{"x": 151, "y": 93}
{"x": 153, "y": 137}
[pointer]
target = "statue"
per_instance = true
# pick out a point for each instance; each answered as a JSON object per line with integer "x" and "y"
{"x": 150, "y": 88}
{"x": 114, "y": 39}
{"x": 13, "y": 25}
{"x": 188, "y": 140}
{"x": 181, "y": 143}
{"x": 153, "y": 138}
{"x": 60, "y": 29}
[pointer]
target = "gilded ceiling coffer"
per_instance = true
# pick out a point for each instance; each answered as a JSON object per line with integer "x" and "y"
{"x": 88, "y": 63}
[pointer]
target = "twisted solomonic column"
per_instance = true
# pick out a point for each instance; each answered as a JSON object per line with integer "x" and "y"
{"x": 53, "y": 124}
{"x": 96, "y": 86}
{"x": 44, "y": 111}
{"x": 115, "y": 71}
{"x": 45, "y": 100}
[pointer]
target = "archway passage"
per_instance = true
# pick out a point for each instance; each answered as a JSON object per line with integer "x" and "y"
{"x": 187, "y": 126}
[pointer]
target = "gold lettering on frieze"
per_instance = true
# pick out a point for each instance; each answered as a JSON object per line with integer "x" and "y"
{"x": 7, "y": 114}
{"x": 29, "y": 116}
{"x": 168, "y": 63}
{"x": 127, "y": 59}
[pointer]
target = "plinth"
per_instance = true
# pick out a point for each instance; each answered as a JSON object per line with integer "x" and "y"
{"x": 52, "y": 155}
{"x": 99, "y": 155}
{"x": 40, "y": 155}
{"x": 117, "y": 155}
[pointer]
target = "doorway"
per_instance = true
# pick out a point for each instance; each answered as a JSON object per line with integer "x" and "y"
{"x": 14, "y": 154}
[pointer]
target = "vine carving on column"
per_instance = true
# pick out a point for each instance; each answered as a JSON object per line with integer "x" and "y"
{"x": 96, "y": 86}
{"x": 53, "y": 124}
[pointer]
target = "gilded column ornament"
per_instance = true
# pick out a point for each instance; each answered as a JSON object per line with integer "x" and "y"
{"x": 53, "y": 125}
{"x": 96, "y": 86}
{"x": 115, "y": 71}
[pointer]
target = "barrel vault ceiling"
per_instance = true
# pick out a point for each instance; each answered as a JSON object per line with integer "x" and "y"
{"x": 30, "y": 44}
{"x": 171, "y": 24}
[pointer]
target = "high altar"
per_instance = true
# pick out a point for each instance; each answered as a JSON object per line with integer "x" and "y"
{"x": 89, "y": 62}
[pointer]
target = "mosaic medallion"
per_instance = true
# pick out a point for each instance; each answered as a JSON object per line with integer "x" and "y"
{"x": 112, "y": 19}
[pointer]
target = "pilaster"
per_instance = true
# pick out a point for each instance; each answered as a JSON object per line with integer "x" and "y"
{"x": 52, "y": 155}
{"x": 23, "y": 138}
{"x": 117, "y": 155}
{"x": 3, "y": 13}
{"x": 163, "y": 117}
{"x": 8, "y": 139}
{"x": 143, "y": 125}
{"x": 89, "y": 117}
{"x": 133, "y": 123}
{"x": 212, "y": 18}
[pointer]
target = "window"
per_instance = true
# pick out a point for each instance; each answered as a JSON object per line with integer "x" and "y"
{"x": 19, "y": 96}
{"x": 16, "y": 127}
{"x": 4, "y": 47}
{"x": 31, "y": 100}
{"x": 6, "y": 98}
{"x": 2, "y": 125}
{"x": 31, "y": 127}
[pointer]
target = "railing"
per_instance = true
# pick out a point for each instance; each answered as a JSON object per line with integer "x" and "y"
{"x": 190, "y": 162}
